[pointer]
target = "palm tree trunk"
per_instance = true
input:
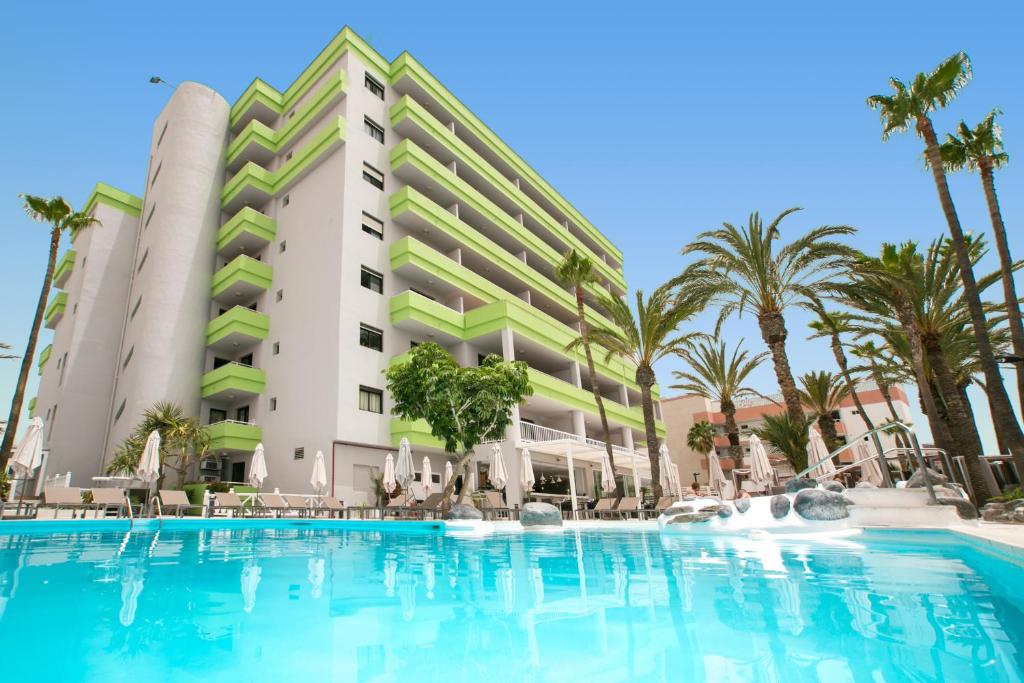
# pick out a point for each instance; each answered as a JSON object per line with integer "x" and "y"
{"x": 827, "y": 427}
{"x": 733, "y": 430}
{"x": 773, "y": 331}
{"x": 1006, "y": 267}
{"x": 961, "y": 419}
{"x": 998, "y": 401}
{"x": 596, "y": 388}
{"x": 645, "y": 379}
{"x": 941, "y": 430}
{"x": 7, "y": 445}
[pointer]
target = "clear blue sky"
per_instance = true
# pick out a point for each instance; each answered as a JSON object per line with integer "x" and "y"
{"x": 657, "y": 120}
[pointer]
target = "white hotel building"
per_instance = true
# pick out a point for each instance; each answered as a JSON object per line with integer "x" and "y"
{"x": 288, "y": 247}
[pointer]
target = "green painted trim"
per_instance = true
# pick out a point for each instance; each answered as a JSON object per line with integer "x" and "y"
{"x": 44, "y": 356}
{"x": 233, "y": 436}
{"x": 417, "y": 432}
{"x": 233, "y": 376}
{"x": 240, "y": 320}
{"x": 272, "y": 182}
{"x": 64, "y": 267}
{"x": 32, "y": 407}
{"x": 408, "y": 109}
{"x": 407, "y": 65}
{"x": 411, "y": 200}
{"x": 247, "y": 220}
{"x": 242, "y": 268}
{"x": 407, "y": 152}
{"x": 56, "y": 308}
{"x": 113, "y": 197}
{"x": 276, "y": 141}
{"x": 581, "y": 399}
{"x": 515, "y": 313}
{"x": 258, "y": 91}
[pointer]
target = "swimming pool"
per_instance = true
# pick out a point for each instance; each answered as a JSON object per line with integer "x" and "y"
{"x": 410, "y": 603}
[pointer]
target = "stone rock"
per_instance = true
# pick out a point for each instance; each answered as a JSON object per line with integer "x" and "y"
{"x": 964, "y": 507}
{"x": 864, "y": 484}
{"x": 540, "y": 514}
{"x": 692, "y": 517}
{"x": 916, "y": 480}
{"x": 725, "y": 512}
{"x": 994, "y": 514}
{"x": 1014, "y": 504}
{"x": 821, "y": 505}
{"x": 950, "y": 490}
{"x": 780, "y": 506}
{"x": 1017, "y": 514}
{"x": 835, "y": 486}
{"x": 464, "y": 512}
{"x": 794, "y": 485}
{"x": 742, "y": 504}
{"x": 996, "y": 506}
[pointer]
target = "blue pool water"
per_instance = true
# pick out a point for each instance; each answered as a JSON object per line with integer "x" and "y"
{"x": 306, "y": 603}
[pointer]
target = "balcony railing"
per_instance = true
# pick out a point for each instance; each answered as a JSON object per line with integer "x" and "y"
{"x": 535, "y": 433}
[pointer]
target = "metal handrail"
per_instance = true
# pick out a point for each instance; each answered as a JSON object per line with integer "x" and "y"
{"x": 131, "y": 513}
{"x": 915, "y": 444}
{"x": 159, "y": 513}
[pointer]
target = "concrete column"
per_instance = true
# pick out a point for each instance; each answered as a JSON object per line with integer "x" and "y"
{"x": 453, "y": 168}
{"x": 623, "y": 395}
{"x": 577, "y": 377}
{"x": 572, "y": 482}
{"x": 454, "y": 209}
{"x": 627, "y": 438}
{"x": 456, "y": 255}
{"x": 579, "y": 427}
{"x": 508, "y": 344}
{"x": 525, "y": 295}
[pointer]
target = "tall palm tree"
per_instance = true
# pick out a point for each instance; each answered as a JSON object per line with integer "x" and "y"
{"x": 910, "y": 105}
{"x": 701, "y": 437}
{"x": 787, "y": 437}
{"x": 643, "y": 339}
{"x": 61, "y": 219}
{"x": 182, "y": 441}
{"x": 748, "y": 268}
{"x": 823, "y": 392}
{"x": 883, "y": 370}
{"x": 577, "y": 271}
{"x": 6, "y": 356}
{"x": 981, "y": 149}
{"x": 718, "y": 376}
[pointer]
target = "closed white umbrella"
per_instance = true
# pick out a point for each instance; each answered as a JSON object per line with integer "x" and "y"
{"x": 607, "y": 474}
{"x": 716, "y": 477}
{"x": 526, "y": 475}
{"x": 869, "y": 468}
{"x": 426, "y": 476}
{"x": 816, "y": 451}
{"x": 250, "y": 581}
{"x": 498, "y": 474}
{"x": 448, "y": 472}
{"x": 28, "y": 456}
{"x": 258, "y": 468}
{"x": 148, "y": 469}
{"x": 389, "y": 473}
{"x": 472, "y": 484}
{"x": 404, "y": 470}
{"x": 667, "y": 469}
{"x": 315, "y": 567}
{"x": 760, "y": 467}
{"x": 319, "y": 477}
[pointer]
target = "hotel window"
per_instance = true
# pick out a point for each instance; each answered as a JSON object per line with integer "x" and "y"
{"x": 120, "y": 409}
{"x": 372, "y": 280}
{"x": 276, "y": 349}
{"x": 373, "y": 226}
{"x": 163, "y": 132}
{"x": 371, "y": 337}
{"x": 150, "y": 216}
{"x": 135, "y": 308}
{"x": 285, "y": 200}
{"x": 374, "y": 86}
{"x": 288, "y": 156}
{"x": 283, "y": 246}
{"x": 156, "y": 173}
{"x": 128, "y": 357}
{"x": 371, "y": 400}
{"x": 300, "y": 453}
{"x": 280, "y": 294}
{"x": 217, "y": 415}
{"x": 142, "y": 261}
{"x": 273, "y": 403}
{"x": 373, "y": 176}
{"x": 373, "y": 130}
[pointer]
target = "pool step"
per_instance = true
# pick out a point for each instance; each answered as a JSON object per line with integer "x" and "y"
{"x": 904, "y": 516}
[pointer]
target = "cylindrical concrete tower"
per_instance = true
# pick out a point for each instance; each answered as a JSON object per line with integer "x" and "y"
{"x": 169, "y": 303}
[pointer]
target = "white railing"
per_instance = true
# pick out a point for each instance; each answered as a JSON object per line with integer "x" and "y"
{"x": 532, "y": 433}
{"x": 251, "y": 423}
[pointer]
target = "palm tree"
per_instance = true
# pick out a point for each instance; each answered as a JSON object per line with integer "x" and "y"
{"x": 5, "y": 356}
{"x": 701, "y": 437}
{"x": 577, "y": 271}
{"x": 644, "y": 339}
{"x": 746, "y": 268}
{"x": 719, "y": 376}
{"x": 883, "y": 370}
{"x": 182, "y": 441}
{"x": 61, "y": 218}
{"x": 981, "y": 149}
{"x": 786, "y": 437}
{"x": 823, "y": 392}
{"x": 910, "y": 106}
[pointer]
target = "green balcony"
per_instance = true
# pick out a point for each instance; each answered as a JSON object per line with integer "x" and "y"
{"x": 55, "y": 311}
{"x": 63, "y": 270}
{"x": 232, "y": 381}
{"x": 233, "y": 437}
{"x": 417, "y": 432}
{"x": 260, "y": 101}
{"x": 237, "y": 328}
{"x": 240, "y": 280}
{"x": 247, "y": 232}
{"x": 44, "y": 356}
{"x": 32, "y": 407}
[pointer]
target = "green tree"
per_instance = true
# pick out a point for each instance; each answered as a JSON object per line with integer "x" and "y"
{"x": 911, "y": 105}
{"x": 981, "y": 149}
{"x": 823, "y": 392}
{"x": 62, "y": 219}
{"x": 701, "y": 437}
{"x": 719, "y": 376}
{"x": 183, "y": 441}
{"x": 643, "y": 339}
{"x": 748, "y": 268}
{"x": 786, "y": 436}
{"x": 577, "y": 271}
{"x": 462, "y": 406}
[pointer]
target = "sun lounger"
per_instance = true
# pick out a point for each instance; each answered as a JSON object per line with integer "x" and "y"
{"x": 399, "y": 505}
{"x": 57, "y": 498}
{"x": 494, "y": 505}
{"x": 432, "y": 504}
{"x": 176, "y": 501}
{"x": 103, "y": 500}
{"x": 273, "y": 504}
{"x": 298, "y": 504}
{"x": 603, "y": 506}
{"x": 331, "y": 506}
{"x": 627, "y": 507}
{"x": 229, "y": 503}
{"x": 664, "y": 503}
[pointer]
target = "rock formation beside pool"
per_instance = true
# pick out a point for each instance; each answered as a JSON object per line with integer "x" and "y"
{"x": 821, "y": 505}
{"x": 464, "y": 512}
{"x": 540, "y": 515}
{"x": 779, "y": 506}
{"x": 742, "y": 504}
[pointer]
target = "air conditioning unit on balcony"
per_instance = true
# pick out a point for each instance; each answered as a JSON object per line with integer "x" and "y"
{"x": 210, "y": 465}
